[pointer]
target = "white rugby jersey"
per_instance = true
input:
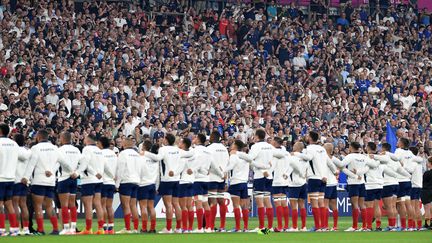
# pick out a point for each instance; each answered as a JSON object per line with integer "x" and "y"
{"x": 203, "y": 160}
{"x": 415, "y": 167}
{"x": 44, "y": 157}
{"x": 239, "y": 169}
{"x": 73, "y": 156}
{"x": 299, "y": 164}
{"x": 91, "y": 165}
{"x": 354, "y": 161}
{"x": 149, "y": 172}
{"x": 393, "y": 169}
{"x": 9, "y": 154}
{"x": 128, "y": 167}
{"x": 317, "y": 165}
{"x": 260, "y": 156}
{"x": 331, "y": 171}
{"x": 219, "y": 161}
{"x": 188, "y": 163}
{"x": 372, "y": 174}
{"x": 169, "y": 157}
{"x": 281, "y": 167}
{"x": 22, "y": 163}
{"x": 405, "y": 157}
{"x": 110, "y": 166}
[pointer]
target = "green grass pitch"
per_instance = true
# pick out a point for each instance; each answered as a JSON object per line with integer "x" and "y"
{"x": 333, "y": 237}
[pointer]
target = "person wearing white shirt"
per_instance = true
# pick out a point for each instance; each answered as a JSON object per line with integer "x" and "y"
{"x": 185, "y": 189}
{"x": 91, "y": 171}
{"x": 417, "y": 180}
{"x": 390, "y": 183}
{"x": 403, "y": 204}
{"x": 20, "y": 190}
{"x": 297, "y": 188}
{"x": 280, "y": 184}
{"x": 108, "y": 187}
{"x": 128, "y": 178}
{"x": 200, "y": 186}
{"x": 169, "y": 155}
{"x": 260, "y": 156}
{"x": 43, "y": 166}
{"x": 356, "y": 187}
{"x": 238, "y": 171}
{"x": 219, "y": 158}
{"x": 317, "y": 177}
{"x": 146, "y": 194}
{"x": 66, "y": 185}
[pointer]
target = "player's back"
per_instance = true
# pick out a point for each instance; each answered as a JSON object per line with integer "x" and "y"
{"x": 110, "y": 163}
{"x": 8, "y": 159}
{"x": 149, "y": 171}
{"x": 44, "y": 156}
{"x": 22, "y": 163}
{"x": 356, "y": 161}
{"x": 220, "y": 157}
{"x": 129, "y": 166}
{"x": 262, "y": 153}
{"x": 203, "y": 162}
{"x": 95, "y": 164}
{"x": 72, "y": 155}
{"x": 317, "y": 166}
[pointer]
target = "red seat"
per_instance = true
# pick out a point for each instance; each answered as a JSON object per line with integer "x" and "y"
{"x": 304, "y": 2}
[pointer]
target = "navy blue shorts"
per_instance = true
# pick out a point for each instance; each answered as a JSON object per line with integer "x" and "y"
{"x": 220, "y": 186}
{"x": 6, "y": 190}
{"x": 415, "y": 193}
{"x": 404, "y": 189}
{"x": 262, "y": 185}
{"x": 91, "y": 189}
{"x": 20, "y": 190}
{"x": 146, "y": 192}
{"x": 298, "y": 192}
{"x": 166, "y": 188}
{"x": 184, "y": 190}
{"x": 279, "y": 190}
{"x": 46, "y": 191}
{"x": 390, "y": 191}
{"x": 128, "y": 189}
{"x": 67, "y": 186}
{"x": 374, "y": 194}
{"x": 200, "y": 188}
{"x": 108, "y": 191}
{"x": 356, "y": 190}
{"x": 239, "y": 190}
{"x": 315, "y": 185}
{"x": 330, "y": 192}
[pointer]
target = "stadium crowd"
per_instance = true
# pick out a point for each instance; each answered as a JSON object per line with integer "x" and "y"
{"x": 113, "y": 70}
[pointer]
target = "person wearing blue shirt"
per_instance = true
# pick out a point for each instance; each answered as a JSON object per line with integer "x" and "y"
{"x": 342, "y": 20}
{"x": 271, "y": 11}
{"x": 362, "y": 85}
{"x": 98, "y": 113}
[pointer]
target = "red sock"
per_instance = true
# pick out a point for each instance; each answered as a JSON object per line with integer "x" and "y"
{"x": 2, "y": 221}
{"x": 127, "y": 219}
{"x": 355, "y": 215}
{"x": 261, "y": 217}
{"x": 54, "y": 222}
{"x": 101, "y": 224}
{"x": 213, "y": 216}
{"x": 363, "y": 217}
{"x": 40, "y": 224}
{"x": 335, "y": 218}
{"x": 199, "y": 215}
{"x": 223, "y": 212}
{"x": 403, "y": 223}
{"x": 378, "y": 223}
{"x": 245, "y": 213}
{"x": 237, "y": 217}
{"x": 144, "y": 224}
{"x": 286, "y": 217}
{"x": 65, "y": 215}
{"x": 135, "y": 223}
{"x": 323, "y": 213}
{"x": 411, "y": 223}
{"x": 392, "y": 222}
{"x": 89, "y": 224}
{"x": 152, "y": 224}
{"x": 369, "y": 217}
{"x": 168, "y": 224}
{"x": 178, "y": 223}
{"x": 184, "y": 219}
{"x": 419, "y": 224}
{"x": 13, "y": 220}
{"x": 317, "y": 216}
{"x": 207, "y": 214}
{"x": 294, "y": 214}
{"x": 270, "y": 215}
{"x": 73, "y": 214}
{"x": 25, "y": 223}
{"x": 191, "y": 219}
{"x": 303, "y": 215}
{"x": 279, "y": 215}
